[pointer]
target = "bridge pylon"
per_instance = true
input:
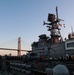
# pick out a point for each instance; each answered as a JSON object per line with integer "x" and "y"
{"x": 19, "y": 47}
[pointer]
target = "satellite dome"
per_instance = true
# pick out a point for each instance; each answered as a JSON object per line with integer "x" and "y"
{"x": 60, "y": 70}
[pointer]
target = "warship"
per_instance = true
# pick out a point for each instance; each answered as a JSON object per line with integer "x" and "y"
{"x": 49, "y": 56}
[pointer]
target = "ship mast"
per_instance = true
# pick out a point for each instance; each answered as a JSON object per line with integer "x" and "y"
{"x": 53, "y": 27}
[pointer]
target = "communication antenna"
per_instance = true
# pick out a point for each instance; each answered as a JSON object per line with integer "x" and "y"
{"x": 72, "y": 29}
{"x": 57, "y": 12}
{"x": 58, "y": 20}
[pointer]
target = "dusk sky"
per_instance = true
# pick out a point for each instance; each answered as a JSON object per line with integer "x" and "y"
{"x": 24, "y": 18}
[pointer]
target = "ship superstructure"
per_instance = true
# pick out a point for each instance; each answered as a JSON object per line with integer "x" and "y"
{"x": 53, "y": 46}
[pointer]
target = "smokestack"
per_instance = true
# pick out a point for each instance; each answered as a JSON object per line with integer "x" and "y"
{"x": 19, "y": 46}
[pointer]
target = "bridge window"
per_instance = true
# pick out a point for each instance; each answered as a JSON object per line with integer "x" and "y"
{"x": 70, "y": 44}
